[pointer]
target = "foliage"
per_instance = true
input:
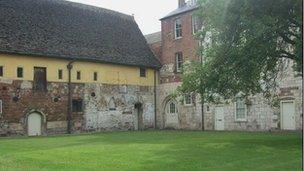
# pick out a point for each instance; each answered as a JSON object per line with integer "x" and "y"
{"x": 251, "y": 39}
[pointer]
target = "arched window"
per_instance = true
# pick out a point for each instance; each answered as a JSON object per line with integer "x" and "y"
{"x": 112, "y": 105}
{"x": 171, "y": 107}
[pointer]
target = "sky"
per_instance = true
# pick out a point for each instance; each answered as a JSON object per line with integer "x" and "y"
{"x": 146, "y": 12}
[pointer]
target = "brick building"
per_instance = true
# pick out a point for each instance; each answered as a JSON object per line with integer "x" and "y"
{"x": 178, "y": 45}
{"x": 54, "y": 53}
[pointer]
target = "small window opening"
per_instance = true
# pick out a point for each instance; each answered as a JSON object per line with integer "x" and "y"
{"x": 143, "y": 72}
{"x": 60, "y": 74}
{"x": 1, "y": 71}
{"x": 95, "y": 76}
{"x": 78, "y": 75}
{"x": 20, "y": 72}
{"x": 77, "y": 105}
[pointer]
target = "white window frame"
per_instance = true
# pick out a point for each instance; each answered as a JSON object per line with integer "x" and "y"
{"x": 240, "y": 119}
{"x": 191, "y": 99}
{"x": 179, "y": 61}
{"x": 195, "y": 24}
{"x": 168, "y": 107}
{"x": 178, "y": 27}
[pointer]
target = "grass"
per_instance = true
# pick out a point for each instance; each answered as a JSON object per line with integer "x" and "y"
{"x": 155, "y": 151}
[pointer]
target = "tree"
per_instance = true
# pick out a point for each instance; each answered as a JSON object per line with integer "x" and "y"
{"x": 250, "y": 40}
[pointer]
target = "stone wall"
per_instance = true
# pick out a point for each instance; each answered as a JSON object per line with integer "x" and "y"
{"x": 19, "y": 100}
{"x": 99, "y": 116}
{"x": 262, "y": 114}
{"x": 189, "y": 117}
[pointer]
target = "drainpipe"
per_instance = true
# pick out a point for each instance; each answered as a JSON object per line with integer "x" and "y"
{"x": 69, "y": 116}
{"x": 155, "y": 105}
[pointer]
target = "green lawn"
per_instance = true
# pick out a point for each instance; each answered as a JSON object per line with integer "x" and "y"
{"x": 155, "y": 151}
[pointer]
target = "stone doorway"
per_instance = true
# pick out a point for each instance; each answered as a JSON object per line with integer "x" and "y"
{"x": 138, "y": 117}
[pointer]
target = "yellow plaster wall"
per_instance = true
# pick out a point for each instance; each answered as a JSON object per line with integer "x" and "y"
{"x": 107, "y": 73}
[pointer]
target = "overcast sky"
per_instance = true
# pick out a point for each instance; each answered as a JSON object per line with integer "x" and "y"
{"x": 147, "y": 12}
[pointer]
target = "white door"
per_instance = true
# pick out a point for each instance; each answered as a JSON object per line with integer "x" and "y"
{"x": 219, "y": 119}
{"x": 34, "y": 124}
{"x": 288, "y": 116}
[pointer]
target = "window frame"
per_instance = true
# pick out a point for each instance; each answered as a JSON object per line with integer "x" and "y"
{"x": 178, "y": 28}
{"x": 194, "y": 24}
{"x": 236, "y": 110}
{"x": 179, "y": 63}
{"x": 95, "y": 76}
{"x": 168, "y": 107}
{"x": 78, "y": 75}
{"x": 44, "y": 83}
{"x": 78, "y": 108}
{"x": 1, "y": 71}
{"x": 191, "y": 99}
{"x": 22, "y": 72}
{"x": 60, "y": 74}
{"x": 143, "y": 72}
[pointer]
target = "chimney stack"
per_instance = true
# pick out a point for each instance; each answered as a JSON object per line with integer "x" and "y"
{"x": 181, "y": 3}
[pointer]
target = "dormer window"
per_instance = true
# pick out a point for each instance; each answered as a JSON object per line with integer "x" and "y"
{"x": 178, "y": 28}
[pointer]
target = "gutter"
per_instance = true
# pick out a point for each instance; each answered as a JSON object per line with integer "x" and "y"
{"x": 69, "y": 115}
{"x": 155, "y": 105}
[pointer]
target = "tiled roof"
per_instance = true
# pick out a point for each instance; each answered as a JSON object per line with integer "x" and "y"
{"x": 62, "y": 29}
{"x": 153, "y": 38}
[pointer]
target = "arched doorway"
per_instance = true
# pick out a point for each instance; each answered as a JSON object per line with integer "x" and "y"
{"x": 171, "y": 115}
{"x": 138, "y": 121}
{"x": 34, "y": 124}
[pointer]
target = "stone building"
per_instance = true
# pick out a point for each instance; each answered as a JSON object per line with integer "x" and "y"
{"x": 54, "y": 53}
{"x": 178, "y": 45}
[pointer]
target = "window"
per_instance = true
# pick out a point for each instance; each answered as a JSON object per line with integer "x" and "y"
{"x": 1, "y": 71}
{"x": 77, "y": 105}
{"x": 171, "y": 107}
{"x": 112, "y": 105}
{"x": 60, "y": 75}
{"x": 19, "y": 72}
{"x": 178, "y": 61}
{"x": 241, "y": 111}
{"x": 142, "y": 72}
{"x": 40, "y": 83}
{"x": 178, "y": 28}
{"x": 196, "y": 24}
{"x": 95, "y": 76}
{"x": 188, "y": 99}
{"x": 78, "y": 75}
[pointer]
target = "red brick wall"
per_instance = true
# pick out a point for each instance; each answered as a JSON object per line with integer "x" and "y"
{"x": 15, "y": 111}
{"x": 156, "y": 49}
{"x": 187, "y": 44}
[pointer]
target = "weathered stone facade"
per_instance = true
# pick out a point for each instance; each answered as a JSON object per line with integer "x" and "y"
{"x": 19, "y": 100}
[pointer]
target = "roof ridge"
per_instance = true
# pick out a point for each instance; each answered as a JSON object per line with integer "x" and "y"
{"x": 153, "y": 33}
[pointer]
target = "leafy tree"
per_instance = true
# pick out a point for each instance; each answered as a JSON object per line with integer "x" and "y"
{"x": 250, "y": 39}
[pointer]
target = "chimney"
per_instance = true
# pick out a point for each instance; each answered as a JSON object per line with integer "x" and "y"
{"x": 181, "y": 3}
